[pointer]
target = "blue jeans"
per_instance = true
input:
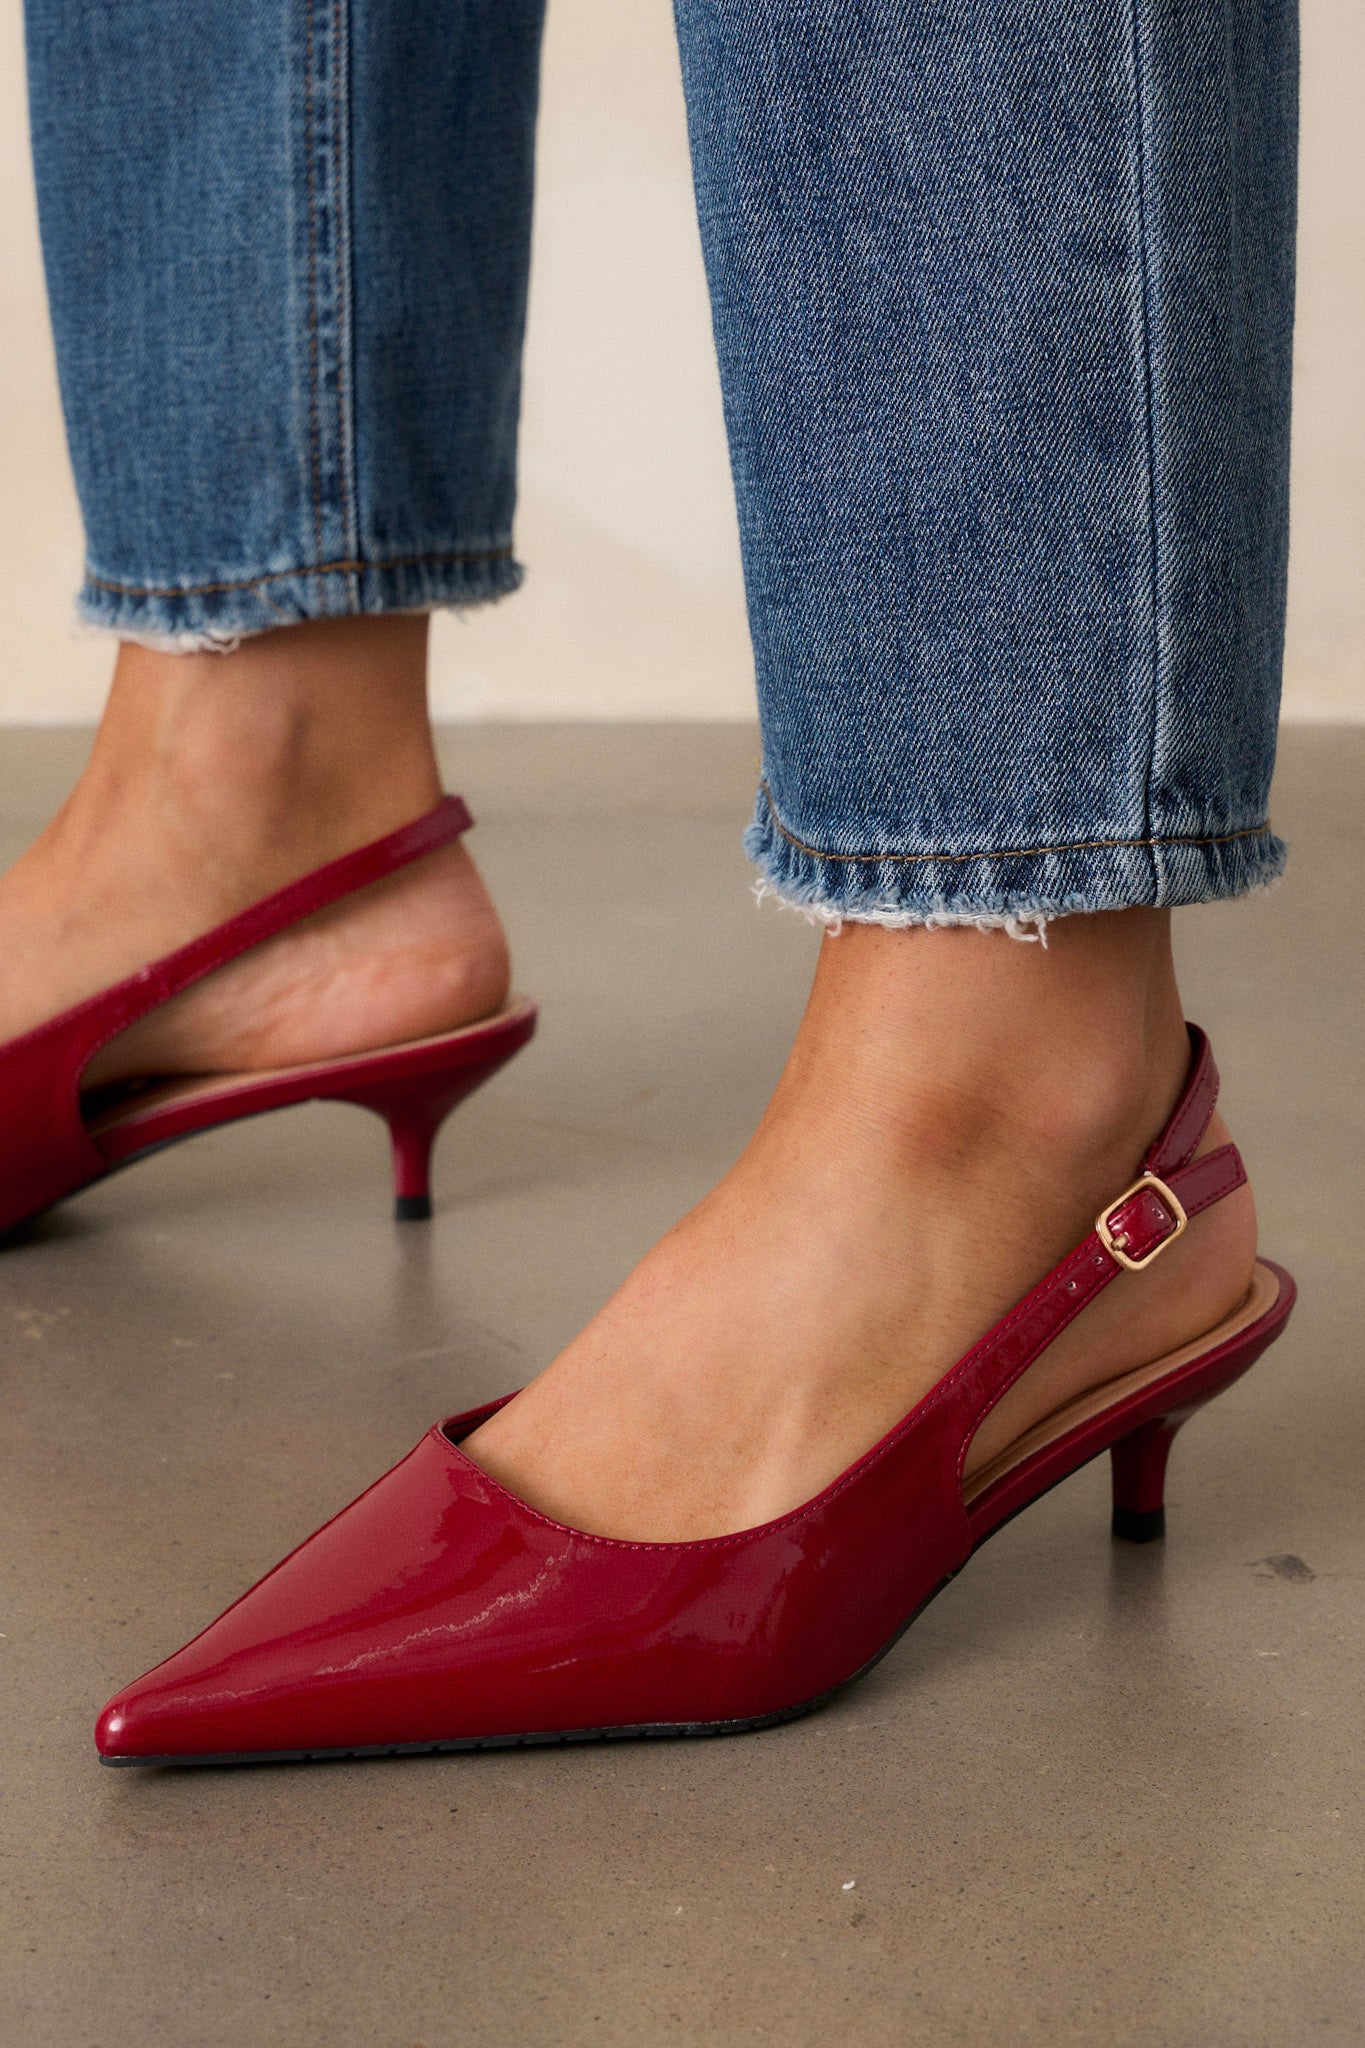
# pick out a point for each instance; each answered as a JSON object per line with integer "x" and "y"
{"x": 1003, "y": 299}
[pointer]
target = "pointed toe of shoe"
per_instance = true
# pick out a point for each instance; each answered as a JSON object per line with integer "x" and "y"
{"x": 114, "y": 1732}
{"x": 196, "y": 1707}
{"x": 136, "y": 1728}
{"x": 352, "y": 1644}
{"x": 438, "y": 1612}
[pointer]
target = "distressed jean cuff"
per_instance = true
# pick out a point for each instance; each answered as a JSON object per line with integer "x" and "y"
{"x": 216, "y": 615}
{"x": 1011, "y": 888}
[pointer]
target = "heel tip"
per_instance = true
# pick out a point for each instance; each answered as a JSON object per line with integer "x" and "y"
{"x": 412, "y": 1208}
{"x": 1139, "y": 1525}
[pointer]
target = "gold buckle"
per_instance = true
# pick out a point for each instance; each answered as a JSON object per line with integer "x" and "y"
{"x": 1115, "y": 1246}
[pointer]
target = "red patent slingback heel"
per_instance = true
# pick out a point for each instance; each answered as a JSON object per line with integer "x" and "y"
{"x": 440, "y": 1612}
{"x": 55, "y": 1139}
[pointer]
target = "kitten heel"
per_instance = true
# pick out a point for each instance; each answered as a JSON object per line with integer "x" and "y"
{"x": 414, "y": 1107}
{"x": 1139, "y": 1472}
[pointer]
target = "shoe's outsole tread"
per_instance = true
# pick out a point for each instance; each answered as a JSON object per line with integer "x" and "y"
{"x": 558, "y": 1738}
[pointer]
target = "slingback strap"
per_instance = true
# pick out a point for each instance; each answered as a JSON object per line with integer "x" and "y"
{"x": 1173, "y": 1185}
{"x": 89, "y": 1025}
{"x": 1189, "y": 1120}
{"x": 297, "y": 900}
{"x": 1129, "y": 1233}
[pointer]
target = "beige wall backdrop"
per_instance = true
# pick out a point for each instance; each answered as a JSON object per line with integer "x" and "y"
{"x": 632, "y": 606}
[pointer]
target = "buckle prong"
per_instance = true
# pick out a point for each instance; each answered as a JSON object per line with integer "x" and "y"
{"x": 1115, "y": 1247}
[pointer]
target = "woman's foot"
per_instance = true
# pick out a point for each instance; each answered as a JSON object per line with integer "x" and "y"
{"x": 956, "y": 1111}
{"x": 214, "y": 780}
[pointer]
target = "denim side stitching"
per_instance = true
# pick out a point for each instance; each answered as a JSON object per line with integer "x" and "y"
{"x": 290, "y": 575}
{"x": 341, "y": 230}
{"x": 314, "y": 427}
{"x": 1011, "y": 852}
{"x": 1149, "y": 408}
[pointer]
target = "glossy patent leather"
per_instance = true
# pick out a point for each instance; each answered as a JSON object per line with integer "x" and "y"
{"x": 55, "y": 1139}
{"x": 440, "y": 1611}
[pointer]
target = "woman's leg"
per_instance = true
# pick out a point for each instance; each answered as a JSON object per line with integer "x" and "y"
{"x": 286, "y": 249}
{"x": 1003, "y": 302}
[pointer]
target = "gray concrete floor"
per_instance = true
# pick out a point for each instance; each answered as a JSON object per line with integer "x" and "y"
{"x": 1096, "y": 1796}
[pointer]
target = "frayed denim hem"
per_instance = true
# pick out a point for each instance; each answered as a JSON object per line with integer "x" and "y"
{"x": 1019, "y": 892}
{"x": 216, "y": 616}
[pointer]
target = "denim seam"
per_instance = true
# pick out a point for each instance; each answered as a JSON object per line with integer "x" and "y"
{"x": 314, "y": 426}
{"x": 1014, "y": 852}
{"x": 341, "y": 29}
{"x": 1149, "y": 415}
{"x": 344, "y": 567}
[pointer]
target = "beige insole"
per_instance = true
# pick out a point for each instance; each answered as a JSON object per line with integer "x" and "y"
{"x": 1260, "y": 1297}
{"x": 156, "y": 1095}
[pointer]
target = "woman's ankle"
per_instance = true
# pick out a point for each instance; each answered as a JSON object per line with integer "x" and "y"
{"x": 957, "y": 1042}
{"x": 296, "y": 746}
